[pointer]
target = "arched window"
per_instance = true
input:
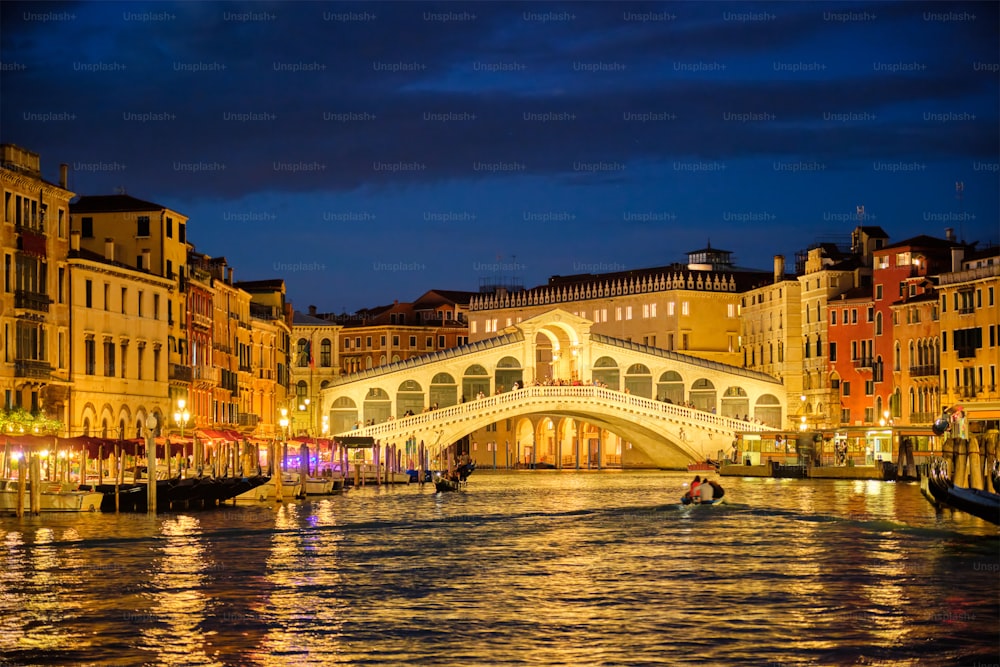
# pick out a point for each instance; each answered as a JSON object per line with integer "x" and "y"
{"x": 302, "y": 354}
{"x": 878, "y": 324}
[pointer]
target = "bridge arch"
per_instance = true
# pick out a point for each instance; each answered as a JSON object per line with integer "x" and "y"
{"x": 639, "y": 380}
{"x": 670, "y": 387}
{"x": 508, "y": 371}
{"x": 767, "y": 410}
{"x": 343, "y": 414}
{"x": 410, "y": 398}
{"x": 606, "y": 372}
{"x": 703, "y": 395}
{"x": 377, "y": 406}
{"x": 735, "y": 403}
{"x": 475, "y": 380}
{"x": 443, "y": 390}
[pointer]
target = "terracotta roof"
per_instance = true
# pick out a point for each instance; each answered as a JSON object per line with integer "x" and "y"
{"x": 111, "y": 204}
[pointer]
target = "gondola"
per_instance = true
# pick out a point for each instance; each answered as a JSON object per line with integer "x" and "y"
{"x": 938, "y": 488}
{"x": 462, "y": 473}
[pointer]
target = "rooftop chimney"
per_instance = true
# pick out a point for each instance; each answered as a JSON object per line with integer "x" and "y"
{"x": 779, "y": 268}
{"x": 63, "y": 175}
{"x": 949, "y": 233}
{"x": 74, "y": 240}
{"x": 957, "y": 255}
{"x": 229, "y": 275}
{"x": 312, "y": 310}
{"x": 109, "y": 249}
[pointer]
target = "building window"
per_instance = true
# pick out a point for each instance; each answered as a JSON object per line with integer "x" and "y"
{"x": 89, "y": 356}
{"x": 124, "y": 356}
{"x": 139, "y": 353}
{"x": 869, "y": 387}
{"x": 170, "y": 228}
{"x": 156, "y": 364}
{"x": 368, "y": 342}
{"x": 107, "y": 296}
{"x": 441, "y": 342}
{"x": 88, "y": 293}
{"x": 142, "y": 226}
{"x": 878, "y": 292}
{"x": 325, "y": 353}
{"x": 347, "y": 343}
{"x": 685, "y": 308}
{"x": 395, "y": 340}
{"x": 833, "y": 351}
{"x": 628, "y": 312}
{"x": 845, "y": 388}
{"x": 124, "y": 299}
{"x": 109, "y": 359}
{"x": 87, "y": 228}
{"x": 429, "y": 342}
{"x": 833, "y": 318}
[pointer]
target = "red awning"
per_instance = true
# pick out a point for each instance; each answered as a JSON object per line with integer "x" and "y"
{"x": 211, "y": 434}
{"x": 32, "y": 243}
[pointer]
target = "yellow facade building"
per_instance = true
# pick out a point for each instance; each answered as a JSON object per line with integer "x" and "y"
{"x": 151, "y": 238}
{"x": 269, "y": 355}
{"x": 970, "y": 335}
{"x": 118, "y": 360}
{"x": 771, "y": 325}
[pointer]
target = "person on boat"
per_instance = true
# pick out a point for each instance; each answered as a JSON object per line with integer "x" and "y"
{"x": 689, "y": 496}
{"x": 705, "y": 493}
{"x": 717, "y": 490}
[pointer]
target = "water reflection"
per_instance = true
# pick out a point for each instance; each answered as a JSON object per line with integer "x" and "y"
{"x": 304, "y": 572}
{"x": 171, "y": 625}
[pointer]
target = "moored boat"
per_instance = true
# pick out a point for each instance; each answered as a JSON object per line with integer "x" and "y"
{"x": 703, "y": 466}
{"x": 938, "y": 488}
{"x": 54, "y": 497}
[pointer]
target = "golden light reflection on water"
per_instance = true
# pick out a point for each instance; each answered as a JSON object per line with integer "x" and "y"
{"x": 178, "y": 600}
{"x": 302, "y": 568}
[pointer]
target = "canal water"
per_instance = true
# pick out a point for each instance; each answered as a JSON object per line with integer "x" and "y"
{"x": 529, "y": 568}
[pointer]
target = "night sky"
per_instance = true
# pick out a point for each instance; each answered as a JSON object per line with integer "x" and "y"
{"x": 366, "y": 152}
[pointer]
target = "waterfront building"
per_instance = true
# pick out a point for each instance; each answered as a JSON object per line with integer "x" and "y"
{"x": 396, "y": 332}
{"x": 117, "y": 357}
{"x": 315, "y": 362}
{"x": 970, "y": 334}
{"x": 690, "y": 308}
{"x": 771, "y": 333}
{"x": 901, "y": 272}
{"x": 916, "y": 359}
{"x": 826, "y": 271}
{"x": 34, "y": 302}
{"x": 269, "y": 353}
{"x": 151, "y": 238}
{"x": 850, "y": 333}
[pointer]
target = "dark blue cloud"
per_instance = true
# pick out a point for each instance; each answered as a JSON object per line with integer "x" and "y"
{"x": 424, "y": 114}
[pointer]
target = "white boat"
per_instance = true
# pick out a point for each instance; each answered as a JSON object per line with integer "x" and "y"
{"x": 291, "y": 489}
{"x": 319, "y": 486}
{"x": 54, "y": 497}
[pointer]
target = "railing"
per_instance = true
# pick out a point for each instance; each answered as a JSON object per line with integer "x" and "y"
{"x": 923, "y": 417}
{"x": 201, "y": 321}
{"x": 966, "y": 310}
{"x": 925, "y": 370}
{"x": 864, "y": 362}
{"x": 966, "y": 352}
{"x": 179, "y": 372}
{"x": 247, "y": 419}
{"x": 440, "y": 355}
{"x": 544, "y": 394}
{"x": 204, "y": 373}
{"x": 29, "y": 368}
{"x": 31, "y": 300}
{"x": 682, "y": 358}
{"x": 219, "y": 347}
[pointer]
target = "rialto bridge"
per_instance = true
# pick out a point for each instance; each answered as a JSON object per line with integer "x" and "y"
{"x": 669, "y": 408}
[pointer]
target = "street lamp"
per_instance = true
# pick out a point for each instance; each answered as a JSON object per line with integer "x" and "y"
{"x": 181, "y": 416}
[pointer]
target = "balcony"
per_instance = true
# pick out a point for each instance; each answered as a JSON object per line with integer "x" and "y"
{"x": 923, "y": 417}
{"x": 225, "y": 349}
{"x": 179, "y": 372}
{"x": 245, "y": 368}
{"x": 265, "y": 374}
{"x": 29, "y": 368}
{"x": 969, "y": 391}
{"x": 247, "y": 419}
{"x": 204, "y": 374}
{"x": 865, "y": 362}
{"x": 31, "y": 300}
{"x": 925, "y": 370}
{"x": 966, "y": 352}
{"x": 201, "y": 321}
{"x": 966, "y": 310}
